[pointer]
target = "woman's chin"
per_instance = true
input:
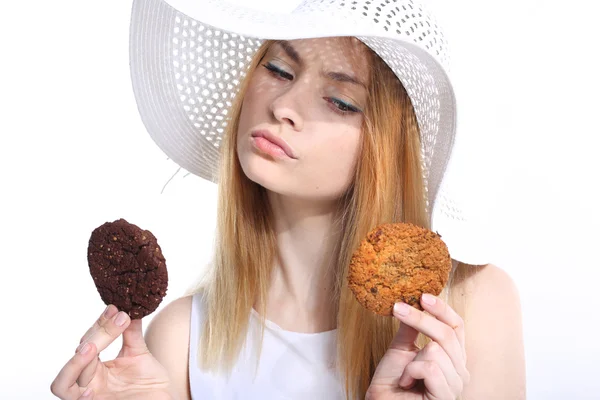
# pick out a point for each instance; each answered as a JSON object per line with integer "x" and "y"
{"x": 276, "y": 178}
{"x": 265, "y": 174}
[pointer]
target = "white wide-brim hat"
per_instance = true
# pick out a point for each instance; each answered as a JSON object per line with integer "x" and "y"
{"x": 188, "y": 57}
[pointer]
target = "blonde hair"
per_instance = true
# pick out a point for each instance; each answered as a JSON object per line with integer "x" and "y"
{"x": 388, "y": 186}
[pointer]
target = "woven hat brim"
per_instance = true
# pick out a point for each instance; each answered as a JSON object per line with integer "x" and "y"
{"x": 172, "y": 128}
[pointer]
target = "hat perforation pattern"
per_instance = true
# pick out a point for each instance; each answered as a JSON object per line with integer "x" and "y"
{"x": 206, "y": 70}
{"x": 450, "y": 208}
{"x": 384, "y": 13}
{"x": 208, "y": 65}
{"x": 193, "y": 57}
{"x": 172, "y": 55}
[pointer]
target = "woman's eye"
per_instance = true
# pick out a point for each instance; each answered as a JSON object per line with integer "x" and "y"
{"x": 278, "y": 71}
{"x": 342, "y": 106}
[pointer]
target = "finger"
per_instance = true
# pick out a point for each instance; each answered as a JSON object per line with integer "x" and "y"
{"x": 133, "y": 340}
{"x": 432, "y": 377}
{"x": 436, "y": 330}
{"x": 87, "y": 395}
{"x": 434, "y": 352}
{"x": 108, "y": 313}
{"x": 65, "y": 384}
{"x": 443, "y": 312}
{"x": 109, "y": 331}
{"x": 88, "y": 373}
{"x": 90, "y": 370}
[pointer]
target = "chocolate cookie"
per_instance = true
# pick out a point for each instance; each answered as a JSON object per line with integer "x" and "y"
{"x": 398, "y": 263}
{"x": 128, "y": 267}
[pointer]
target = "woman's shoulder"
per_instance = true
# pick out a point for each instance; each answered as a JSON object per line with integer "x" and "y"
{"x": 173, "y": 319}
{"x": 477, "y": 279}
{"x": 481, "y": 289}
{"x": 168, "y": 339}
{"x": 488, "y": 301}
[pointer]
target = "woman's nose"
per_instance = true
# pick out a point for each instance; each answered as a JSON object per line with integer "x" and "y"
{"x": 286, "y": 109}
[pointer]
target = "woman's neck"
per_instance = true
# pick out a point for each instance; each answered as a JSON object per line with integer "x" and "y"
{"x": 299, "y": 296}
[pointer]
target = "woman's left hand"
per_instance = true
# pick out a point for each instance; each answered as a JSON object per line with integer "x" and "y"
{"x": 436, "y": 372}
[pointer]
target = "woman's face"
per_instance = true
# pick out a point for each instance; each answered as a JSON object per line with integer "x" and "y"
{"x": 300, "y": 123}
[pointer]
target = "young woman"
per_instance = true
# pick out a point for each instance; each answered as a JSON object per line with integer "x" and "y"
{"x": 341, "y": 120}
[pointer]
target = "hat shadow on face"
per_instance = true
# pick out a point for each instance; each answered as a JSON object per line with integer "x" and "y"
{"x": 316, "y": 58}
{"x": 305, "y": 92}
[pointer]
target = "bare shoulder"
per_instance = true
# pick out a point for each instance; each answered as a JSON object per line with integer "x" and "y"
{"x": 490, "y": 305}
{"x": 168, "y": 339}
{"x": 475, "y": 280}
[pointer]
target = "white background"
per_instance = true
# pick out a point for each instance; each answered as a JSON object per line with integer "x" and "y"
{"x": 74, "y": 154}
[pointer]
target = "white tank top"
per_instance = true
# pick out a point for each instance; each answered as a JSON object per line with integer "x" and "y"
{"x": 292, "y": 365}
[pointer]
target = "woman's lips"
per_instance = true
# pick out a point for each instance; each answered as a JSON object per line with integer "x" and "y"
{"x": 272, "y": 145}
{"x": 268, "y": 147}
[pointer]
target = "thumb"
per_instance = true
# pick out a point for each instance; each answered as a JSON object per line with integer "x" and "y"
{"x": 133, "y": 340}
{"x": 401, "y": 351}
{"x": 405, "y": 341}
{"x": 405, "y": 338}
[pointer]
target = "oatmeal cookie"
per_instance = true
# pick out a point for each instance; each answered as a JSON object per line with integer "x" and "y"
{"x": 398, "y": 263}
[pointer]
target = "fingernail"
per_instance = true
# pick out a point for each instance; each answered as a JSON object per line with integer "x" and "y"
{"x": 428, "y": 299}
{"x": 106, "y": 312}
{"x": 78, "y": 349}
{"x": 84, "y": 349}
{"x": 87, "y": 392}
{"x": 121, "y": 318}
{"x": 401, "y": 309}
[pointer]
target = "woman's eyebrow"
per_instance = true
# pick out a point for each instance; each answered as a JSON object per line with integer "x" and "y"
{"x": 343, "y": 77}
{"x": 291, "y": 52}
{"x": 334, "y": 76}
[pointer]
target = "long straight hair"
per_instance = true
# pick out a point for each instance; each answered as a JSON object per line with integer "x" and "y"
{"x": 388, "y": 186}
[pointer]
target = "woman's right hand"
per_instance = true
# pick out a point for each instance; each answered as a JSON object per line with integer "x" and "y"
{"x": 134, "y": 374}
